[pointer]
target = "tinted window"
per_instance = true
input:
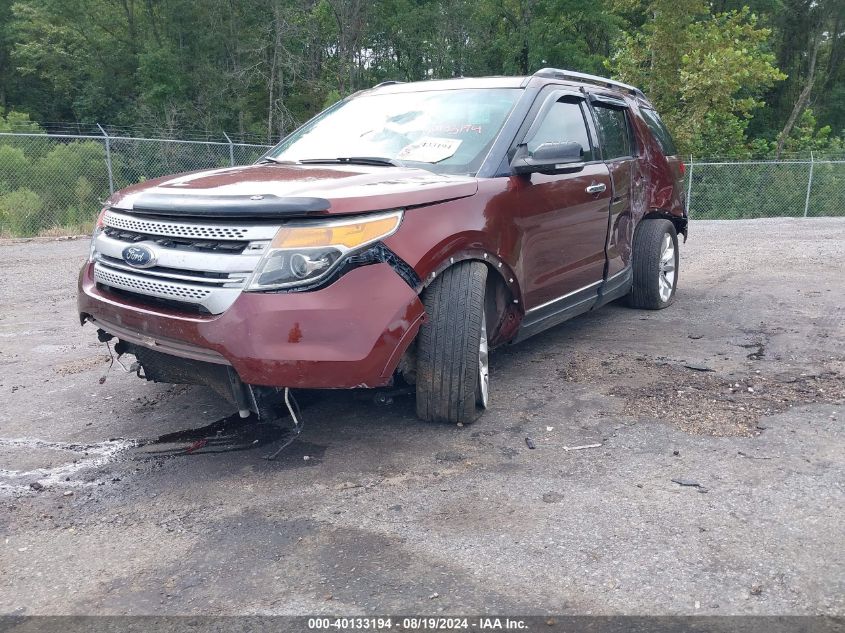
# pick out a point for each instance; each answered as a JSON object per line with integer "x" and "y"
{"x": 614, "y": 131}
{"x": 564, "y": 122}
{"x": 659, "y": 130}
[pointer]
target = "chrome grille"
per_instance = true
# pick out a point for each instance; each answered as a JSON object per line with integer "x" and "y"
{"x": 185, "y": 272}
{"x": 217, "y": 279}
{"x": 173, "y": 228}
{"x": 163, "y": 289}
{"x": 225, "y": 246}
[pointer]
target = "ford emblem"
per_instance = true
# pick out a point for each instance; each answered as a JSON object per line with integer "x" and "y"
{"x": 139, "y": 256}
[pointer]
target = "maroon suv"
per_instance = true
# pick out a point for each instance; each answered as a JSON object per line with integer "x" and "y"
{"x": 397, "y": 236}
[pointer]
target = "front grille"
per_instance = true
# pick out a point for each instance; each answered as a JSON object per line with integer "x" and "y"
{"x": 185, "y": 307}
{"x": 175, "y": 229}
{"x": 177, "y": 242}
{"x": 136, "y": 283}
{"x": 201, "y": 266}
{"x": 176, "y": 274}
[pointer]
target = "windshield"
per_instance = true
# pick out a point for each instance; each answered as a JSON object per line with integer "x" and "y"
{"x": 446, "y": 131}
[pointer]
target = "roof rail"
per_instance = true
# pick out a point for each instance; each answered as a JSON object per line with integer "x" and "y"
{"x": 388, "y": 83}
{"x": 557, "y": 73}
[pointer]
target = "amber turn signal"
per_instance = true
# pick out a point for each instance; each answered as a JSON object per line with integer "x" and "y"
{"x": 347, "y": 234}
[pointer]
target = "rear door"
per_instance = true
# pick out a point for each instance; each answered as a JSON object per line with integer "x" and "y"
{"x": 562, "y": 217}
{"x": 613, "y": 121}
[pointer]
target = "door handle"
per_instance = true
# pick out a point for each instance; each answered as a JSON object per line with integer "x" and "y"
{"x": 596, "y": 188}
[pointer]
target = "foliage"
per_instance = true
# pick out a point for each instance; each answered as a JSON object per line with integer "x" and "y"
{"x": 726, "y": 77}
{"x": 53, "y": 185}
{"x": 808, "y": 136}
{"x": 15, "y": 167}
{"x": 710, "y": 93}
{"x": 14, "y": 121}
{"x": 261, "y": 67}
{"x": 19, "y": 211}
{"x": 727, "y": 191}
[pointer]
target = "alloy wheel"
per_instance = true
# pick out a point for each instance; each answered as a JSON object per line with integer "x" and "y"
{"x": 483, "y": 366}
{"x": 666, "y": 274}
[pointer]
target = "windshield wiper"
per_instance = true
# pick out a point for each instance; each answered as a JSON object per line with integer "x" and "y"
{"x": 354, "y": 160}
{"x": 270, "y": 159}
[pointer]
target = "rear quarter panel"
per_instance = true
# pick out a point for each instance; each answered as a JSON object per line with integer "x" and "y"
{"x": 664, "y": 174}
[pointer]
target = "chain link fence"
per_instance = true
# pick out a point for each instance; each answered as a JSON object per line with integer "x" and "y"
{"x": 809, "y": 186}
{"x": 54, "y": 184}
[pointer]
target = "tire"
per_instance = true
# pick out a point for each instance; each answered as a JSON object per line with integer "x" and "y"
{"x": 655, "y": 265}
{"x": 452, "y": 377}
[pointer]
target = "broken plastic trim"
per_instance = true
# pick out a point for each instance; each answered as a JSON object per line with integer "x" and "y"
{"x": 378, "y": 253}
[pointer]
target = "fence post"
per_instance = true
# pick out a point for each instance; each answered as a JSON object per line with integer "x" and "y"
{"x": 689, "y": 185}
{"x": 809, "y": 186}
{"x": 231, "y": 150}
{"x": 108, "y": 158}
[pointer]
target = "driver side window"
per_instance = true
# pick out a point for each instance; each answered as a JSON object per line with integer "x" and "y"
{"x": 564, "y": 122}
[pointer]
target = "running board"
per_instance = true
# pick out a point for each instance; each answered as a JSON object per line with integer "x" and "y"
{"x": 570, "y": 306}
{"x": 615, "y": 287}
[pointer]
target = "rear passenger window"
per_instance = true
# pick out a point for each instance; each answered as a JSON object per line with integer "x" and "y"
{"x": 614, "y": 131}
{"x": 652, "y": 120}
{"x": 564, "y": 122}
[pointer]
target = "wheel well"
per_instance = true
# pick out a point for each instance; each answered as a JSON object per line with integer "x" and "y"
{"x": 500, "y": 308}
{"x": 679, "y": 222}
{"x": 503, "y": 303}
{"x": 503, "y": 314}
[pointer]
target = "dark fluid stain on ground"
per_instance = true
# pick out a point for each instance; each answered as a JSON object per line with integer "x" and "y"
{"x": 232, "y": 433}
{"x": 244, "y": 550}
{"x": 359, "y": 564}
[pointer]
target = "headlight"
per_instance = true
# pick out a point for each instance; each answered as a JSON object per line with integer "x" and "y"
{"x": 304, "y": 252}
{"x": 98, "y": 228}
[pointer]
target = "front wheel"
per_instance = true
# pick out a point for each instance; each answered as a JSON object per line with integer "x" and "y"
{"x": 655, "y": 265}
{"x": 452, "y": 377}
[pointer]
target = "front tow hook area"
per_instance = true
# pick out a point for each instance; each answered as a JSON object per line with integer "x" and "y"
{"x": 264, "y": 414}
{"x": 233, "y": 433}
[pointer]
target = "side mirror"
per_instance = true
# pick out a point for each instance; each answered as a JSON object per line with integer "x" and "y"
{"x": 549, "y": 158}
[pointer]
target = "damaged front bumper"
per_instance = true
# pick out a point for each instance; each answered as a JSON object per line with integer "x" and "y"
{"x": 351, "y": 333}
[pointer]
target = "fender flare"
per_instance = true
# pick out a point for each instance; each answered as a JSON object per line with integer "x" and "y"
{"x": 494, "y": 263}
{"x": 681, "y": 223}
{"x": 511, "y": 313}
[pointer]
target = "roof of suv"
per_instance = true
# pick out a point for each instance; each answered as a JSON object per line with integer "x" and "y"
{"x": 459, "y": 83}
{"x": 567, "y": 77}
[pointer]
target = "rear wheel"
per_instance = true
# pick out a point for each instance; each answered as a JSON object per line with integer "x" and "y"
{"x": 655, "y": 265}
{"x": 452, "y": 377}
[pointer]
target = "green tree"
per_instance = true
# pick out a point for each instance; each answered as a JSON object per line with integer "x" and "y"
{"x": 260, "y": 67}
{"x": 807, "y": 135}
{"x": 706, "y": 74}
{"x": 20, "y": 212}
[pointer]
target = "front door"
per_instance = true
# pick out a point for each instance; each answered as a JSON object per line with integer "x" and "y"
{"x": 561, "y": 218}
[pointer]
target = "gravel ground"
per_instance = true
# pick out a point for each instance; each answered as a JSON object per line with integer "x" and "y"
{"x": 738, "y": 387}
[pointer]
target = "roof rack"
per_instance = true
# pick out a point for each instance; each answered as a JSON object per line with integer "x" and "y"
{"x": 557, "y": 73}
{"x": 389, "y": 82}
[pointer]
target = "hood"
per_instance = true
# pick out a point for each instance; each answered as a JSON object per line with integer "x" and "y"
{"x": 346, "y": 188}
